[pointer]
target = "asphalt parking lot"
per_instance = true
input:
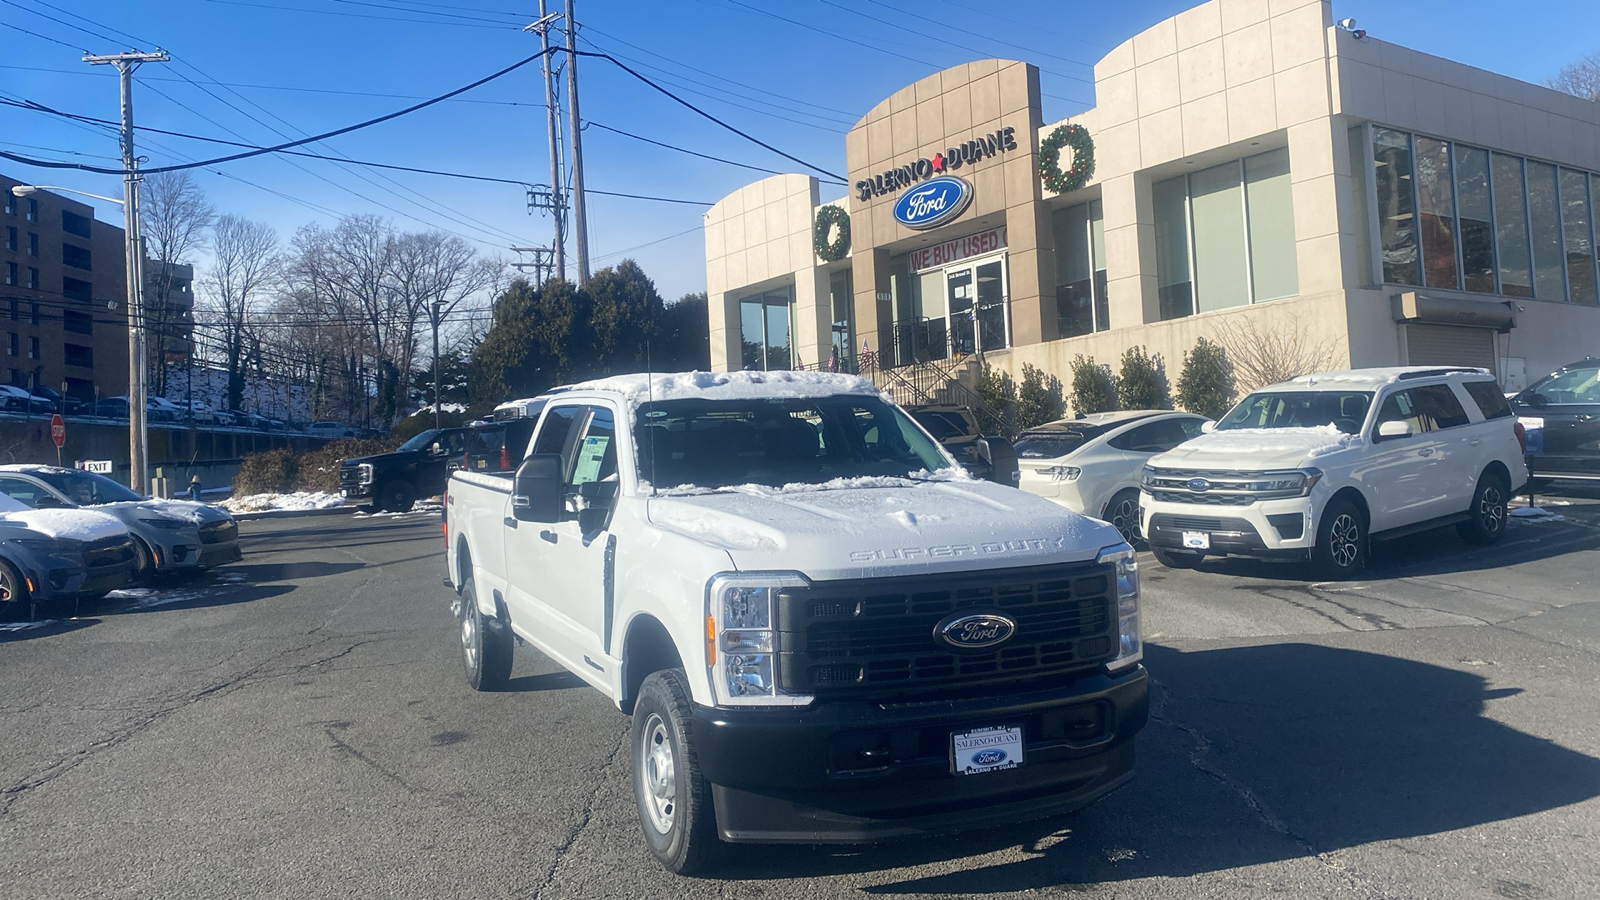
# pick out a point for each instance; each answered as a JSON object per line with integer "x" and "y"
{"x": 296, "y": 725}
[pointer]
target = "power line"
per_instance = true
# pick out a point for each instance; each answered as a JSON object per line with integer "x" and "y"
{"x": 333, "y": 12}
{"x": 648, "y": 243}
{"x": 43, "y": 37}
{"x": 593, "y": 124}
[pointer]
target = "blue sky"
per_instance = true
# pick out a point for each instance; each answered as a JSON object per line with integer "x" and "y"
{"x": 795, "y": 74}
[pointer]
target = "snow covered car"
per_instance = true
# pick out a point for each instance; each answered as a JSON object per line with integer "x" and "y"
{"x": 169, "y": 535}
{"x": 59, "y": 555}
{"x": 1091, "y": 464}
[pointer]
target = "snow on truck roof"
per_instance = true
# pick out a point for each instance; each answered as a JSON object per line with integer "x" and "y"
{"x": 1372, "y": 379}
{"x": 638, "y": 389}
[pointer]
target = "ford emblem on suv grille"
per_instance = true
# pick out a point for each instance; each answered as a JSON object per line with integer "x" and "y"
{"x": 974, "y": 631}
{"x": 1198, "y": 484}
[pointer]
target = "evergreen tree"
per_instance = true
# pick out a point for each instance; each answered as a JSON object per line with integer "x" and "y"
{"x": 511, "y": 362}
{"x": 998, "y": 394}
{"x": 1038, "y": 398}
{"x": 1094, "y": 388}
{"x": 624, "y": 310}
{"x": 682, "y": 341}
{"x": 1206, "y": 385}
{"x": 1142, "y": 382}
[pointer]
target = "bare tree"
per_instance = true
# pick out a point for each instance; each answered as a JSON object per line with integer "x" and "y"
{"x": 174, "y": 219}
{"x": 1580, "y": 79}
{"x": 432, "y": 273}
{"x": 1263, "y": 355}
{"x": 246, "y": 265}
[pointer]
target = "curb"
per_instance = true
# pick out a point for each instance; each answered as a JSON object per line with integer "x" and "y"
{"x": 294, "y": 513}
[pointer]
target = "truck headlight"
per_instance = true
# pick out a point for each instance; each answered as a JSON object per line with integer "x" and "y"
{"x": 365, "y": 469}
{"x": 1062, "y": 473}
{"x": 1297, "y": 483}
{"x": 742, "y": 639}
{"x": 1130, "y": 646}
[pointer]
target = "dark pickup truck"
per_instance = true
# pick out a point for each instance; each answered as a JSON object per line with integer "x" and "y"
{"x": 991, "y": 458}
{"x": 394, "y": 481}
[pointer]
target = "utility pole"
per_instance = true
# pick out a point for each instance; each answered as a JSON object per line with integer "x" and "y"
{"x": 541, "y": 264}
{"x": 138, "y": 436}
{"x": 580, "y": 219}
{"x": 437, "y": 313}
{"x": 556, "y": 206}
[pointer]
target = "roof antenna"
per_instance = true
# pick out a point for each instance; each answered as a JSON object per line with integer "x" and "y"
{"x": 650, "y": 398}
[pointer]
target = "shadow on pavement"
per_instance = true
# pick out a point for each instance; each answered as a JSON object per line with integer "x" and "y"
{"x": 192, "y": 596}
{"x": 27, "y": 631}
{"x": 1258, "y": 755}
{"x": 257, "y": 573}
{"x": 549, "y": 681}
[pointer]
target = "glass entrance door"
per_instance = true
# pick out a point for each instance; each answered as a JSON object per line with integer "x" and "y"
{"x": 978, "y": 317}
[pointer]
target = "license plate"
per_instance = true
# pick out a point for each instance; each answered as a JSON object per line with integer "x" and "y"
{"x": 1199, "y": 540}
{"x": 985, "y": 750}
{"x": 343, "y": 492}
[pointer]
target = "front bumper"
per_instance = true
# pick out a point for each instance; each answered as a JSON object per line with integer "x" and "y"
{"x": 1273, "y": 529}
{"x": 861, "y": 772}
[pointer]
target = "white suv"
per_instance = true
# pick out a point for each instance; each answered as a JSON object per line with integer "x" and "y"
{"x": 1313, "y": 467}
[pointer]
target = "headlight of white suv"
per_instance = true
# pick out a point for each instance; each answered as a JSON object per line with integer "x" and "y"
{"x": 741, "y": 639}
{"x": 1130, "y": 646}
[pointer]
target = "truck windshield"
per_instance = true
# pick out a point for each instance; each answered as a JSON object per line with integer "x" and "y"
{"x": 422, "y": 440}
{"x": 1345, "y": 410}
{"x": 779, "y": 441}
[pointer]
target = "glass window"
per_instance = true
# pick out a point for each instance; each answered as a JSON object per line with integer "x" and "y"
{"x": 1216, "y": 207}
{"x": 33, "y": 244}
{"x": 1173, "y": 285}
{"x": 1476, "y": 218}
{"x": 25, "y": 492}
{"x": 1152, "y": 437}
{"x": 1273, "y": 272}
{"x": 842, "y": 303}
{"x": 1577, "y": 223}
{"x": 88, "y": 488}
{"x": 1491, "y": 402}
{"x": 1544, "y": 219}
{"x": 11, "y": 237}
{"x": 1345, "y": 410}
{"x": 595, "y": 454}
{"x": 1055, "y": 441}
{"x": 1097, "y": 244}
{"x": 750, "y": 334}
{"x": 1074, "y": 279}
{"x": 1400, "y": 407}
{"x": 1580, "y": 384}
{"x": 1438, "y": 402}
{"x": 1397, "y": 221}
{"x": 555, "y": 428}
{"x": 1511, "y": 227}
{"x": 764, "y": 331}
{"x": 11, "y": 273}
{"x": 1358, "y": 192}
{"x": 778, "y": 346}
{"x": 1436, "y": 213}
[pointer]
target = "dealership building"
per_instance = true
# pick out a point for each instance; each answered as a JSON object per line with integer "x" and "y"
{"x": 1250, "y": 167}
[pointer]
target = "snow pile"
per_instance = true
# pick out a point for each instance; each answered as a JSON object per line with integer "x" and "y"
{"x": 70, "y": 524}
{"x": 1535, "y": 514}
{"x": 299, "y": 501}
{"x": 637, "y": 389}
{"x": 150, "y": 598}
{"x": 1313, "y": 442}
{"x": 421, "y": 506}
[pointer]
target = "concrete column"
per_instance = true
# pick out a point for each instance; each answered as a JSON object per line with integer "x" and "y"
{"x": 1130, "y": 250}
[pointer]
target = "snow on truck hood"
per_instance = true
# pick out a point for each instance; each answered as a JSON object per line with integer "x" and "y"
{"x": 637, "y": 389}
{"x": 1257, "y": 449}
{"x": 882, "y": 526}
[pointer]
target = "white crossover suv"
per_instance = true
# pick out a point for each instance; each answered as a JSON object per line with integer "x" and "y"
{"x": 1314, "y": 467}
{"x": 1091, "y": 464}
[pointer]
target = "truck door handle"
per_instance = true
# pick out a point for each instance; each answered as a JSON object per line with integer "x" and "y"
{"x": 548, "y": 535}
{"x": 1425, "y": 451}
{"x": 509, "y": 522}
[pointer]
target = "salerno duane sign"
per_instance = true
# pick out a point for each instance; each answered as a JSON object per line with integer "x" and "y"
{"x": 952, "y": 158}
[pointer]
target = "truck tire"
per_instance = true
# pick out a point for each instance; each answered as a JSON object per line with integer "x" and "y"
{"x": 1488, "y": 511}
{"x": 486, "y": 647}
{"x": 1177, "y": 559}
{"x": 674, "y": 799}
{"x": 395, "y": 496}
{"x": 1341, "y": 550}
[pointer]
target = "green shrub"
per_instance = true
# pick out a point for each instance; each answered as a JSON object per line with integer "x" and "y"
{"x": 1038, "y": 398}
{"x": 268, "y": 472}
{"x": 1142, "y": 383}
{"x": 998, "y": 394}
{"x": 1206, "y": 385}
{"x": 1094, "y": 388}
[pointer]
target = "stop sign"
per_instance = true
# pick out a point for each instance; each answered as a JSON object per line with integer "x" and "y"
{"x": 58, "y": 430}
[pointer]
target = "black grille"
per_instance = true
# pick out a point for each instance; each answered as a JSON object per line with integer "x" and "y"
{"x": 875, "y": 637}
{"x": 349, "y": 476}
{"x": 112, "y": 551}
{"x": 219, "y": 532}
{"x": 1202, "y": 499}
{"x": 1191, "y": 523}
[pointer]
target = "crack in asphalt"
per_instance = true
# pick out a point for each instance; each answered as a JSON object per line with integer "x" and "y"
{"x": 348, "y": 749}
{"x": 70, "y": 761}
{"x": 1333, "y": 861}
{"x": 584, "y": 817}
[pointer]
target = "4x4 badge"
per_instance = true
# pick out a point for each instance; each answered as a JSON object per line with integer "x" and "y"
{"x": 974, "y": 631}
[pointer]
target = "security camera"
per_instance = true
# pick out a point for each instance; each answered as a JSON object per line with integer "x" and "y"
{"x": 1347, "y": 24}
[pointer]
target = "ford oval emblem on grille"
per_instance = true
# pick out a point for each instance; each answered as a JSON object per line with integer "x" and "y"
{"x": 974, "y": 631}
{"x": 1198, "y": 484}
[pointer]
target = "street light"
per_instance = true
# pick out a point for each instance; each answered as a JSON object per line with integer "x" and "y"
{"x": 138, "y": 437}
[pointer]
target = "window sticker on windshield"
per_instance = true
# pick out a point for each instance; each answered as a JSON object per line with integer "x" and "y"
{"x": 590, "y": 456}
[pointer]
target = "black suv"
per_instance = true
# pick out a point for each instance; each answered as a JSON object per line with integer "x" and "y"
{"x": 990, "y": 458}
{"x": 1568, "y": 400}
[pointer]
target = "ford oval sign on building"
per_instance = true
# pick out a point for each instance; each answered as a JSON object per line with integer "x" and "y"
{"x": 933, "y": 202}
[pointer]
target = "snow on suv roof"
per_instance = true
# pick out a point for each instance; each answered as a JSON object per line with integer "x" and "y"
{"x": 637, "y": 389}
{"x": 1371, "y": 378}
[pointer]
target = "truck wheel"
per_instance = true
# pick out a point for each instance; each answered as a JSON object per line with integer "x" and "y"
{"x": 1123, "y": 512}
{"x": 1177, "y": 559}
{"x": 1341, "y": 550}
{"x": 1488, "y": 511}
{"x": 486, "y": 647}
{"x": 674, "y": 800}
{"x": 395, "y": 496}
{"x": 13, "y": 592}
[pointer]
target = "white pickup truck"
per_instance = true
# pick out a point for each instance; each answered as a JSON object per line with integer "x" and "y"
{"x": 824, "y": 629}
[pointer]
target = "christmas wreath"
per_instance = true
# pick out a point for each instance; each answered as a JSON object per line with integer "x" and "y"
{"x": 827, "y": 218}
{"x": 1076, "y": 137}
